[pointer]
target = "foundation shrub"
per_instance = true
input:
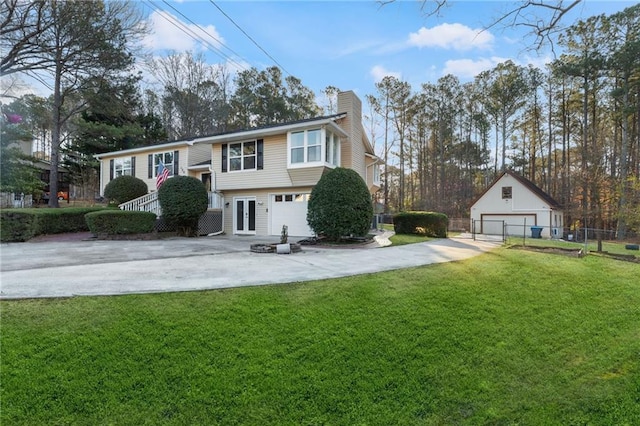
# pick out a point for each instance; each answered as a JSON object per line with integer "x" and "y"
{"x": 125, "y": 188}
{"x": 340, "y": 205}
{"x": 117, "y": 222}
{"x": 183, "y": 200}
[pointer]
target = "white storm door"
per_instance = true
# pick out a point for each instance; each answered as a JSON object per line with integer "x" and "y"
{"x": 244, "y": 215}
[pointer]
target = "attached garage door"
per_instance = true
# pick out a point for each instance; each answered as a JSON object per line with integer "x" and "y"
{"x": 290, "y": 210}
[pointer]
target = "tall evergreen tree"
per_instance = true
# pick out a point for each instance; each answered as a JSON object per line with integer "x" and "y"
{"x": 80, "y": 41}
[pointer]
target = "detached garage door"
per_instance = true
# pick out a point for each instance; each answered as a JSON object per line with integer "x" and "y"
{"x": 290, "y": 210}
{"x": 515, "y": 223}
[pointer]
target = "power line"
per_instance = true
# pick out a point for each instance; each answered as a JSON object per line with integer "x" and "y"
{"x": 191, "y": 34}
{"x": 204, "y": 31}
{"x": 249, "y": 37}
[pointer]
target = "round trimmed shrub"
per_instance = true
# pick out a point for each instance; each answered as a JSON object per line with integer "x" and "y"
{"x": 340, "y": 205}
{"x": 125, "y": 188}
{"x": 183, "y": 199}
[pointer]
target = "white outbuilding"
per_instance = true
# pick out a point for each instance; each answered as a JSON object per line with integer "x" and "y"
{"x": 516, "y": 206}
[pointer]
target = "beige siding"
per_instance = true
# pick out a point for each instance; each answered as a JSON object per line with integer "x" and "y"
{"x": 273, "y": 174}
{"x": 353, "y": 149}
{"x": 345, "y": 104}
{"x": 262, "y": 206}
{"x": 370, "y": 165}
{"x": 142, "y": 166}
{"x": 199, "y": 153}
{"x": 307, "y": 175}
{"x": 262, "y": 203}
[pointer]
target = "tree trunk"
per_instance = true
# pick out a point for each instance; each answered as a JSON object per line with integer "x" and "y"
{"x": 56, "y": 134}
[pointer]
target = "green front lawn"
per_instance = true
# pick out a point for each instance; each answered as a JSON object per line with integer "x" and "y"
{"x": 508, "y": 337}
{"x": 402, "y": 239}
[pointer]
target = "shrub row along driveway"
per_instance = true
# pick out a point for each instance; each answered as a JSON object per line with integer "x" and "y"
{"x": 73, "y": 268}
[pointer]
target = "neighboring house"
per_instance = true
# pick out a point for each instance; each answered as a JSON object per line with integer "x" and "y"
{"x": 519, "y": 204}
{"x": 264, "y": 175}
{"x": 21, "y": 200}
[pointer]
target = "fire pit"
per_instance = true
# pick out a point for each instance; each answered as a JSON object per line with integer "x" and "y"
{"x": 274, "y": 248}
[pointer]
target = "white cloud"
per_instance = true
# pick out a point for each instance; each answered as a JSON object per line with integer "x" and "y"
{"x": 469, "y": 68}
{"x": 538, "y": 62}
{"x": 452, "y": 36}
{"x": 169, "y": 33}
{"x": 378, "y": 72}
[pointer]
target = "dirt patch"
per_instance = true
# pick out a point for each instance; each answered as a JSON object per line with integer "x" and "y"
{"x": 625, "y": 257}
{"x": 578, "y": 252}
{"x": 72, "y": 236}
{"x": 344, "y": 243}
{"x": 552, "y": 250}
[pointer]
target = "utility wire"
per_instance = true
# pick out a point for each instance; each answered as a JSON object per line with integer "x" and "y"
{"x": 191, "y": 34}
{"x": 249, "y": 37}
{"x": 204, "y": 31}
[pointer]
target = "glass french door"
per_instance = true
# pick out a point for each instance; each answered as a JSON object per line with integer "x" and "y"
{"x": 244, "y": 215}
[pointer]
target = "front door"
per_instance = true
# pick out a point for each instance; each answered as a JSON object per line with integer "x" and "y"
{"x": 244, "y": 218}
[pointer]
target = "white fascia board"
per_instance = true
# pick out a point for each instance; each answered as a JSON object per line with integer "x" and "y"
{"x": 373, "y": 157}
{"x": 148, "y": 148}
{"x": 257, "y": 133}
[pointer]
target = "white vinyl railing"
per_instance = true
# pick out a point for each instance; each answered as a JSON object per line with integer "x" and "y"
{"x": 216, "y": 200}
{"x": 149, "y": 203}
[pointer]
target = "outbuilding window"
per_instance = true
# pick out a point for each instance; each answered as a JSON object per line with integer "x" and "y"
{"x": 506, "y": 192}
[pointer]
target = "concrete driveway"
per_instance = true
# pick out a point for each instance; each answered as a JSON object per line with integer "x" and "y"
{"x": 99, "y": 267}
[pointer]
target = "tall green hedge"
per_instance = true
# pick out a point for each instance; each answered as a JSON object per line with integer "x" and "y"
{"x": 340, "y": 205}
{"x": 117, "y": 222}
{"x": 24, "y": 224}
{"x": 430, "y": 224}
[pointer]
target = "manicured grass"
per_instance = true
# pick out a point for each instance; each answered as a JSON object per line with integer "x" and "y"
{"x": 508, "y": 337}
{"x": 402, "y": 239}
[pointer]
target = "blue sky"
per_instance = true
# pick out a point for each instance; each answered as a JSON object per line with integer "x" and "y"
{"x": 351, "y": 44}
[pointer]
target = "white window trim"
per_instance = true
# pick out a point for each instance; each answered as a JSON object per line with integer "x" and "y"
{"x": 120, "y": 162}
{"x": 242, "y": 156}
{"x": 155, "y": 165}
{"x": 323, "y": 149}
{"x": 334, "y": 146}
{"x": 376, "y": 171}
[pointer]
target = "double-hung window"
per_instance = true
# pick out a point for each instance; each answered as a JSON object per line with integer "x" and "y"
{"x": 242, "y": 156}
{"x": 122, "y": 167}
{"x": 306, "y": 146}
{"x": 167, "y": 158}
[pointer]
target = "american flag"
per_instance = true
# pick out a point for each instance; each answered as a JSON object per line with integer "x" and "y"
{"x": 162, "y": 175}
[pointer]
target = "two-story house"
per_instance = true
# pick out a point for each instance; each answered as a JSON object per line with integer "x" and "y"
{"x": 260, "y": 178}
